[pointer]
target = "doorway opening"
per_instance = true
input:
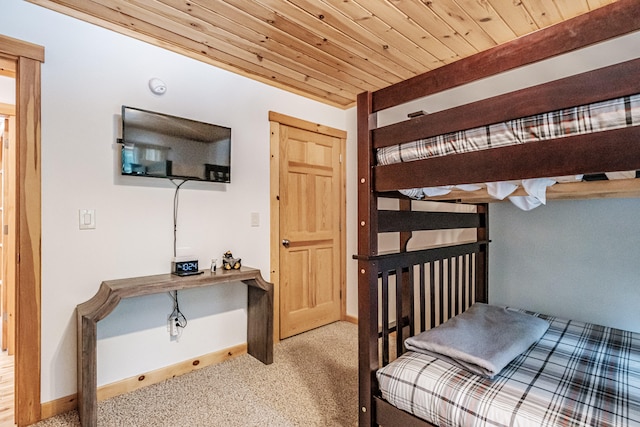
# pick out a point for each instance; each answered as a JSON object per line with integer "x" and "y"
{"x": 7, "y": 244}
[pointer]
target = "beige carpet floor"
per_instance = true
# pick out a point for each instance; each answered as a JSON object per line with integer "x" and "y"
{"x": 313, "y": 381}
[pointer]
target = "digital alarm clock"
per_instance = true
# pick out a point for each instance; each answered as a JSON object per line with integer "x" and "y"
{"x": 184, "y": 267}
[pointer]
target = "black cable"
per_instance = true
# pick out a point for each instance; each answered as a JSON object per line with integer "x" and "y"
{"x": 175, "y": 214}
{"x": 179, "y": 316}
{"x": 181, "y": 320}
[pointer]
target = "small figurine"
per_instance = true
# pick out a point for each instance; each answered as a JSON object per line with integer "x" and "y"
{"x": 229, "y": 262}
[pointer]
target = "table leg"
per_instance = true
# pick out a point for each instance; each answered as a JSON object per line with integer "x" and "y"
{"x": 87, "y": 375}
{"x": 260, "y": 322}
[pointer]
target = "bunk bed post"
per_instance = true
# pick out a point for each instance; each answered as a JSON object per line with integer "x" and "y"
{"x": 482, "y": 259}
{"x": 407, "y": 283}
{"x": 405, "y": 236}
{"x": 368, "y": 361}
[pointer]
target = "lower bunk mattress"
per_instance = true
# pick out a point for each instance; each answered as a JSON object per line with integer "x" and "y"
{"x": 577, "y": 374}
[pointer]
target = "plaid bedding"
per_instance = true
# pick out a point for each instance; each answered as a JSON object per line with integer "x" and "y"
{"x": 606, "y": 115}
{"x": 578, "y": 374}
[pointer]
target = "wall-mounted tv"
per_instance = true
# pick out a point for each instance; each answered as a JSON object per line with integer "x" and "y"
{"x": 163, "y": 146}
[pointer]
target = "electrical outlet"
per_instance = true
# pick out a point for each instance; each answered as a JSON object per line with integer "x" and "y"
{"x": 173, "y": 326}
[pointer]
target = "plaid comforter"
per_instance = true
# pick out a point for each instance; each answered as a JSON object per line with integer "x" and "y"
{"x": 578, "y": 374}
{"x": 606, "y": 115}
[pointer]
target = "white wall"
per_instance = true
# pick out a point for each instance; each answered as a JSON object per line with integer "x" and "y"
{"x": 88, "y": 74}
{"x": 573, "y": 259}
{"x": 7, "y": 90}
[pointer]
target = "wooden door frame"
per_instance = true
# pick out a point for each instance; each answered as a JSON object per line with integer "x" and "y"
{"x": 28, "y": 58}
{"x": 275, "y": 120}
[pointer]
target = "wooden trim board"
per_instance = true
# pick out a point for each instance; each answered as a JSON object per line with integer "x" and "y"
{"x": 274, "y": 222}
{"x": 351, "y": 319}
{"x": 7, "y": 109}
{"x": 21, "y": 48}
{"x": 28, "y": 58}
{"x": 29, "y": 231}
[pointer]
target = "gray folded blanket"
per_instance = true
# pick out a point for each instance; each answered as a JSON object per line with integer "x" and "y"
{"x": 483, "y": 339}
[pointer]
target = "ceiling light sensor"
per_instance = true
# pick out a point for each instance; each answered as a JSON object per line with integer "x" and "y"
{"x": 157, "y": 86}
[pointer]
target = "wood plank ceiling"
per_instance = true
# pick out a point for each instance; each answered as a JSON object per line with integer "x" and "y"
{"x": 327, "y": 50}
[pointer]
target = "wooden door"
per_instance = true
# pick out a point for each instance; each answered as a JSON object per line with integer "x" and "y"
{"x": 310, "y": 248}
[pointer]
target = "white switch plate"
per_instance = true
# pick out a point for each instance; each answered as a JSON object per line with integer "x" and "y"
{"x": 87, "y": 219}
{"x": 255, "y": 219}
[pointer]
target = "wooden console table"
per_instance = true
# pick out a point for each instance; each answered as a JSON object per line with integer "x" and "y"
{"x": 259, "y": 321}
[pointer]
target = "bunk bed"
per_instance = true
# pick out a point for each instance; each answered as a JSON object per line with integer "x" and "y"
{"x": 406, "y": 292}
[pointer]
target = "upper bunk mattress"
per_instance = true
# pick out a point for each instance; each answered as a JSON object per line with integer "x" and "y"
{"x": 606, "y": 115}
{"x": 577, "y": 374}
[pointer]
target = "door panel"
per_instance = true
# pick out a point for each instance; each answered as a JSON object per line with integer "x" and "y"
{"x": 325, "y": 272}
{"x": 310, "y": 200}
{"x": 298, "y": 273}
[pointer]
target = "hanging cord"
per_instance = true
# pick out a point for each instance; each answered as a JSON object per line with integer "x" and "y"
{"x": 175, "y": 214}
{"x": 181, "y": 320}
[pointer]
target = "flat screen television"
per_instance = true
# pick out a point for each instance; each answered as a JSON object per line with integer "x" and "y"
{"x": 163, "y": 146}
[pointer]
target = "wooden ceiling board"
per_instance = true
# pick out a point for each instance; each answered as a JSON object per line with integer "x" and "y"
{"x": 404, "y": 25}
{"x": 515, "y": 15}
{"x": 594, "y": 4}
{"x": 390, "y": 38}
{"x": 401, "y": 55}
{"x": 327, "y": 50}
{"x": 462, "y": 23}
{"x": 263, "y": 37}
{"x": 315, "y": 42}
{"x": 429, "y": 20}
{"x": 330, "y": 34}
{"x": 488, "y": 19}
{"x": 543, "y": 12}
{"x": 573, "y": 8}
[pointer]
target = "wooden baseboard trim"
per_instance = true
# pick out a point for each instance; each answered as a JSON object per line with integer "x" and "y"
{"x": 68, "y": 403}
{"x": 351, "y": 319}
{"x": 58, "y": 406}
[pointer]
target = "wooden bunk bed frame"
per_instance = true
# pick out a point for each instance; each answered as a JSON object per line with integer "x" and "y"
{"x": 461, "y": 270}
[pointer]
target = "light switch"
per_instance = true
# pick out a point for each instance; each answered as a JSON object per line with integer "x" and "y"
{"x": 87, "y": 219}
{"x": 255, "y": 219}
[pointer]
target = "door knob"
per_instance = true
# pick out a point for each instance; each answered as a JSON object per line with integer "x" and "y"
{"x": 286, "y": 243}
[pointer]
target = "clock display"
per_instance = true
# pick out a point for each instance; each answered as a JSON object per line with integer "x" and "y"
{"x": 185, "y": 268}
